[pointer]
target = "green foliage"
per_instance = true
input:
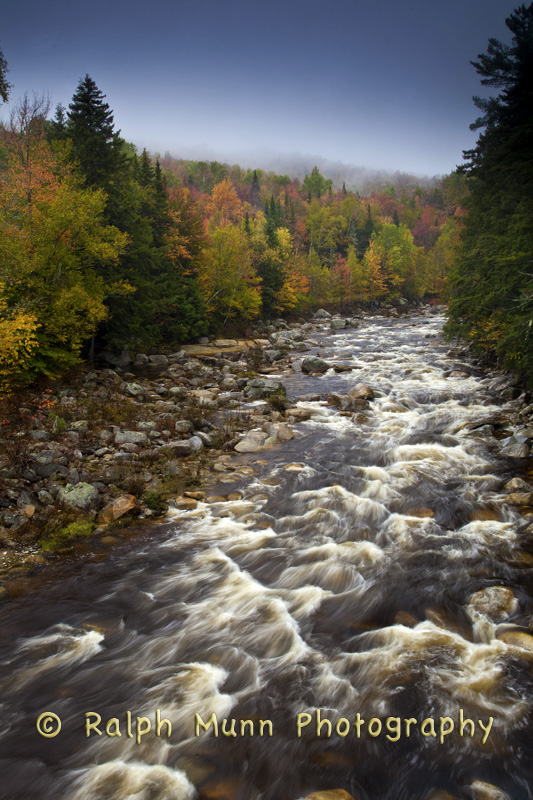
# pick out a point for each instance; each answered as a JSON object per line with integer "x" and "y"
{"x": 4, "y": 85}
{"x": 315, "y": 185}
{"x": 63, "y": 528}
{"x": 154, "y": 502}
{"x": 491, "y": 283}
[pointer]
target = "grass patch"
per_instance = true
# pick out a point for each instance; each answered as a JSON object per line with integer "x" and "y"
{"x": 59, "y": 531}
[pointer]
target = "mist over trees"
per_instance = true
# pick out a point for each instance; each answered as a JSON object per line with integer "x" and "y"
{"x": 104, "y": 247}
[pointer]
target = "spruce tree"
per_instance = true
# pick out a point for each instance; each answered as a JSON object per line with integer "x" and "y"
{"x": 96, "y": 146}
{"x": 490, "y": 285}
{"x": 4, "y": 85}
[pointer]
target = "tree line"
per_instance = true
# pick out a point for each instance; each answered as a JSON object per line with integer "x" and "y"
{"x": 103, "y": 247}
{"x": 490, "y": 283}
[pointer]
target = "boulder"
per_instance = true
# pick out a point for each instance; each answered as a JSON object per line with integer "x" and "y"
{"x": 314, "y": 364}
{"x": 117, "y": 508}
{"x": 337, "y": 324}
{"x": 322, "y": 314}
{"x": 519, "y": 639}
{"x": 480, "y": 790}
{"x": 131, "y": 437}
{"x": 494, "y": 602}
{"x": 158, "y": 360}
{"x": 263, "y": 387}
{"x": 134, "y": 390}
{"x": 83, "y": 496}
{"x": 280, "y": 432}
{"x": 229, "y": 384}
{"x": 329, "y": 794}
{"x": 361, "y": 392}
{"x": 178, "y": 448}
{"x": 252, "y": 442}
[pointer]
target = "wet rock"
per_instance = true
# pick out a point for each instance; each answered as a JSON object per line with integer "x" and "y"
{"x": 134, "y": 390}
{"x": 131, "y": 437}
{"x": 337, "y": 324}
{"x": 158, "y": 360}
{"x": 485, "y": 514}
{"x": 314, "y": 364}
{"x": 116, "y": 509}
{"x": 514, "y": 449}
{"x": 185, "y": 504}
{"x": 420, "y": 511}
{"x": 263, "y": 387}
{"x": 298, "y": 414}
{"x": 517, "y": 485}
{"x": 280, "y": 432}
{"x": 3, "y": 594}
{"x": 404, "y": 618}
{"x": 495, "y": 602}
{"x": 330, "y": 794}
{"x": 83, "y": 496}
{"x": 519, "y": 639}
{"x": 520, "y": 498}
{"x": 486, "y": 791}
{"x": 140, "y": 360}
{"x": 361, "y": 392}
{"x": 252, "y": 442}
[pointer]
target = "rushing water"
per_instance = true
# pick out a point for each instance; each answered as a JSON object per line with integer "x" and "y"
{"x": 324, "y": 592}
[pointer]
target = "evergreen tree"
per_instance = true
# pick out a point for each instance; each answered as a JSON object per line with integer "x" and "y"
{"x": 4, "y": 85}
{"x": 96, "y": 146}
{"x": 491, "y": 283}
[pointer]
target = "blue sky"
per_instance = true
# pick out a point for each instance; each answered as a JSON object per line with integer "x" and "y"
{"x": 378, "y": 83}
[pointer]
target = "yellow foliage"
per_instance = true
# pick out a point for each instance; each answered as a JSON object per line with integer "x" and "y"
{"x": 17, "y": 342}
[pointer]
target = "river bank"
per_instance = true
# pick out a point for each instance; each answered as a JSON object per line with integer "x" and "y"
{"x": 373, "y": 569}
{"x": 115, "y": 449}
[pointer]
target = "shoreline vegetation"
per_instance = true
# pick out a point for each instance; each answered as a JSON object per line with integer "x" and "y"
{"x": 112, "y": 256}
{"x": 112, "y": 450}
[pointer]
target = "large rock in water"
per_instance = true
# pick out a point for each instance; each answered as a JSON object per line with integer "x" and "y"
{"x": 337, "y": 323}
{"x": 314, "y": 364}
{"x": 263, "y": 387}
{"x": 329, "y": 794}
{"x": 252, "y": 442}
{"x": 361, "y": 392}
{"x": 83, "y": 496}
{"x": 119, "y": 507}
{"x": 494, "y": 602}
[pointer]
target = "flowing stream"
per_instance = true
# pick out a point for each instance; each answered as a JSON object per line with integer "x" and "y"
{"x": 334, "y": 591}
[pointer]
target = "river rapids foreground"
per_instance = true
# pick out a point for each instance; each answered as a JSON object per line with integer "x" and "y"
{"x": 328, "y": 592}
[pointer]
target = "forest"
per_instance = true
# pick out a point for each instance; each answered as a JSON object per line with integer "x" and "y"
{"x": 104, "y": 247}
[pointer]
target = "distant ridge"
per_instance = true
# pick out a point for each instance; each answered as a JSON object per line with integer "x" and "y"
{"x": 298, "y": 165}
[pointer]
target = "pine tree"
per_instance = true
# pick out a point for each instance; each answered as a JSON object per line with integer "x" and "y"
{"x": 4, "y": 85}
{"x": 490, "y": 285}
{"x": 96, "y": 146}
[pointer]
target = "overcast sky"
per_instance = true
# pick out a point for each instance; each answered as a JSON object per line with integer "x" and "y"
{"x": 378, "y": 83}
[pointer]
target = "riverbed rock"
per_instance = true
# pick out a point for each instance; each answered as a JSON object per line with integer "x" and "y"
{"x": 495, "y": 602}
{"x": 517, "y": 485}
{"x": 329, "y": 794}
{"x": 178, "y": 448}
{"x": 519, "y": 639}
{"x": 252, "y": 442}
{"x": 361, "y": 392}
{"x": 314, "y": 364}
{"x": 280, "y": 432}
{"x": 322, "y": 314}
{"x": 134, "y": 390}
{"x": 131, "y": 437}
{"x": 520, "y": 498}
{"x": 259, "y": 388}
{"x": 337, "y": 324}
{"x": 82, "y": 497}
{"x": 158, "y": 360}
{"x": 480, "y": 790}
{"x": 117, "y": 508}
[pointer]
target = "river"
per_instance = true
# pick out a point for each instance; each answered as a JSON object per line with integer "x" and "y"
{"x": 333, "y": 590}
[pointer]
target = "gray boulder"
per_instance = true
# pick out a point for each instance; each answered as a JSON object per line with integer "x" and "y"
{"x": 314, "y": 364}
{"x": 83, "y": 496}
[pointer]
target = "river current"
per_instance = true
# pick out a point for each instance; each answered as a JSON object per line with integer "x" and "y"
{"x": 322, "y": 616}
